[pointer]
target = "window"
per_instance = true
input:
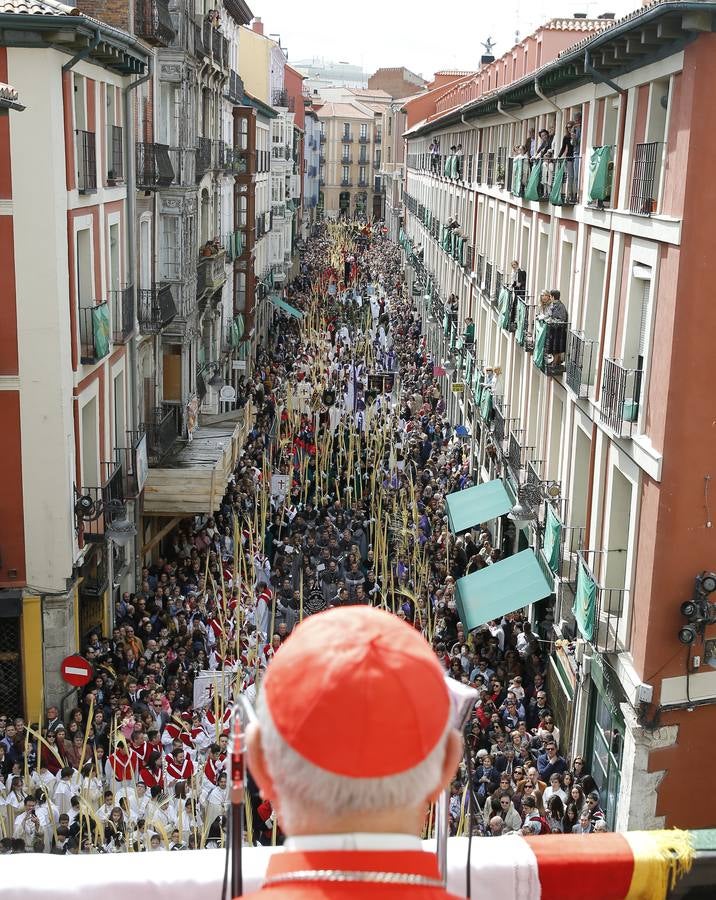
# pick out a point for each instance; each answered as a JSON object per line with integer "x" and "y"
{"x": 346, "y": 173}
{"x": 390, "y": 126}
{"x": 377, "y": 158}
{"x": 363, "y": 174}
{"x": 114, "y": 257}
{"x": 85, "y": 286}
{"x": 346, "y": 153}
{"x": 363, "y": 130}
{"x": 169, "y": 257}
{"x": 346, "y": 129}
{"x": 90, "y": 445}
{"x": 120, "y": 424}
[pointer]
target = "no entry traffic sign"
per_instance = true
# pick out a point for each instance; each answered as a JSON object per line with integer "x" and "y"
{"x": 76, "y": 670}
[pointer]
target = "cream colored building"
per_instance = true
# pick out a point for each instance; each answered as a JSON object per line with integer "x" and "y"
{"x": 350, "y": 154}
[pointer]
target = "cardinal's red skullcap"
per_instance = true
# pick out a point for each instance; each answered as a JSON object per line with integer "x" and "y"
{"x": 358, "y": 692}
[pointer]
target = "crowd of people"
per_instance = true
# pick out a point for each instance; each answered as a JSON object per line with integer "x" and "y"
{"x": 347, "y": 405}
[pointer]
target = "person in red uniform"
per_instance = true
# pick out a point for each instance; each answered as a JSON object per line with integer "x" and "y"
{"x": 354, "y": 739}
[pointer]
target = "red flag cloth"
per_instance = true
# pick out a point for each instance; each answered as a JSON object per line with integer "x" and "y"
{"x": 438, "y": 372}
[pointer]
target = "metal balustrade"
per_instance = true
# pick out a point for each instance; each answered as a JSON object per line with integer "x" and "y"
{"x": 620, "y": 397}
{"x": 581, "y": 361}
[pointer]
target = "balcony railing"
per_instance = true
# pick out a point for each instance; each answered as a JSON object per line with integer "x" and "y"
{"x": 516, "y": 452}
{"x": 378, "y": 137}
{"x": 96, "y": 507}
{"x": 479, "y": 268}
{"x": 204, "y": 157}
{"x": 525, "y": 323}
{"x": 346, "y": 160}
{"x": 642, "y": 199}
{"x": 322, "y": 138}
{"x": 487, "y": 290}
{"x": 160, "y": 166}
{"x": 563, "y": 178}
{"x": 156, "y": 308}
{"x": 122, "y": 314}
{"x": 581, "y": 360}
{"x": 346, "y": 182}
{"x": 600, "y": 175}
{"x": 608, "y": 624}
{"x": 499, "y": 421}
{"x": 153, "y": 22}
{"x": 283, "y": 100}
{"x": 163, "y": 431}
{"x": 129, "y": 458}
{"x": 94, "y": 333}
{"x": 234, "y": 87}
{"x": 621, "y": 395}
{"x": 362, "y": 183}
{"x": 86, "y": 151}
{"x": 496, "y": 287}
{"x": 363, "y": 160}
{"x": 550, "y": 345}
{"x": 490, "y": 175}
{"x": 115, "y": 154}
{"x": 347, "y": 139}
{"x": 363, "y": 139}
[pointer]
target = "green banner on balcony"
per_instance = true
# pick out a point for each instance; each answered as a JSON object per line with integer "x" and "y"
{"x": 541, "y": 329}
{"x": 521, "y": 324}
{"x": 552, "y": 539}
{"x": 585, "y": 602}
{"x": 600, "y": 173}
{"x": 533, "y": 182}
{"x": 517, "y": 175}
{"x": 555, "y": 195}
{"x": 486, "y": 404}
{"x": 100, "y": 329}
{"x": 505, "y": 304}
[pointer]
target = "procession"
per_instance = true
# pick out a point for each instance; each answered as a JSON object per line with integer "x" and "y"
{"x": 345, "y": 406}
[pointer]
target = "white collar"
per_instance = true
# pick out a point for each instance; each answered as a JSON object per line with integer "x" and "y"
{"x": 354, "y": 841}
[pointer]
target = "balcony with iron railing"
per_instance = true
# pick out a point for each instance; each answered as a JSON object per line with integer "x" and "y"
{"x": 644, "y": 187}
{"x": 490, "y": 173}
{"x": 514, "y": 457}
{"x": 86, "y": 161}
{"x": 377, "y": 137}
{"x": 155, "y": 308}
{"x": 525, "y": 312}
{"x": 620, "y": 397}
{"x": 153, "y": 22}
{"x": 97, "y": 506}
{"x": 94, "y": 325}
{"x": 600, "y": 176}
{"x": 363, "y": 139}
{"x": 234, "y": 90}
{"x": 487, "y": 288}
{"x": 550, "y": 345}
{"x": 603, "y": 614}
{"x": 205, "y": 157}
{"x": 163, "y": 431}
{"x": 347, "y": 138}
{"x": 500, "y": 418}
{"x": 581, "y": 363}
{"x": 130, "y": 459}
{"x": 346, "y": 160}
{"x": 496, "y": 287}
{"x": 115, "y": 155}
{"x": 160, "y": 166}
{"x": 346, "y": 182}
{"x": 283, "y": 100}
{"x": 122, "y": 302}
{"x": 479, "y": 268}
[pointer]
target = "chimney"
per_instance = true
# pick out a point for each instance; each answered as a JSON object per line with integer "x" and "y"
{"x": 486, "y": 59}
{"x": 579, "y": 16}
{"x": 608, "y": 16}
{"x": 257, "y": 25}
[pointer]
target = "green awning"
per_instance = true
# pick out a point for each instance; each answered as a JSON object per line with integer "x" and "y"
{"x": 500, "y": 589}
{"x": 285, "y": 307}
{"x": 477, "y": 504}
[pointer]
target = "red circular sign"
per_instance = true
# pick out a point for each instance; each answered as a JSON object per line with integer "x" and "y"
{"x": 76, "y": 670}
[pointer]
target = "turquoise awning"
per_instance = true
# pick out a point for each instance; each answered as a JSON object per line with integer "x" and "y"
{"x": 477, "y": 504}
{"x": 285, "y": 307}
{"x": 500, "y": 589}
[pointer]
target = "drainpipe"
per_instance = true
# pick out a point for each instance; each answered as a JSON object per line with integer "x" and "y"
{"x": 84, "y": 53}
{"x": 507, "y": 115}
{"x": 131, "y": 182}
{"x": 542, "y": 96}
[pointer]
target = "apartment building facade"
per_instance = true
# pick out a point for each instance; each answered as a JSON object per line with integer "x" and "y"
{"x": 351, "y": 142}
{"x": 73, "y": 449}
{"x": 595, "y": 415}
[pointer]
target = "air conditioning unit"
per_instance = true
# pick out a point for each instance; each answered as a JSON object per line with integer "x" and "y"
{"x": 587, "y": 663}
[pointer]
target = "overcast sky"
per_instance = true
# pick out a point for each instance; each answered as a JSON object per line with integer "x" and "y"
{"x": 424, "y": 35}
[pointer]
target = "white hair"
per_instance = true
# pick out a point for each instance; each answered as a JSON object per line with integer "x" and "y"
{"x": 300, "y": 783}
